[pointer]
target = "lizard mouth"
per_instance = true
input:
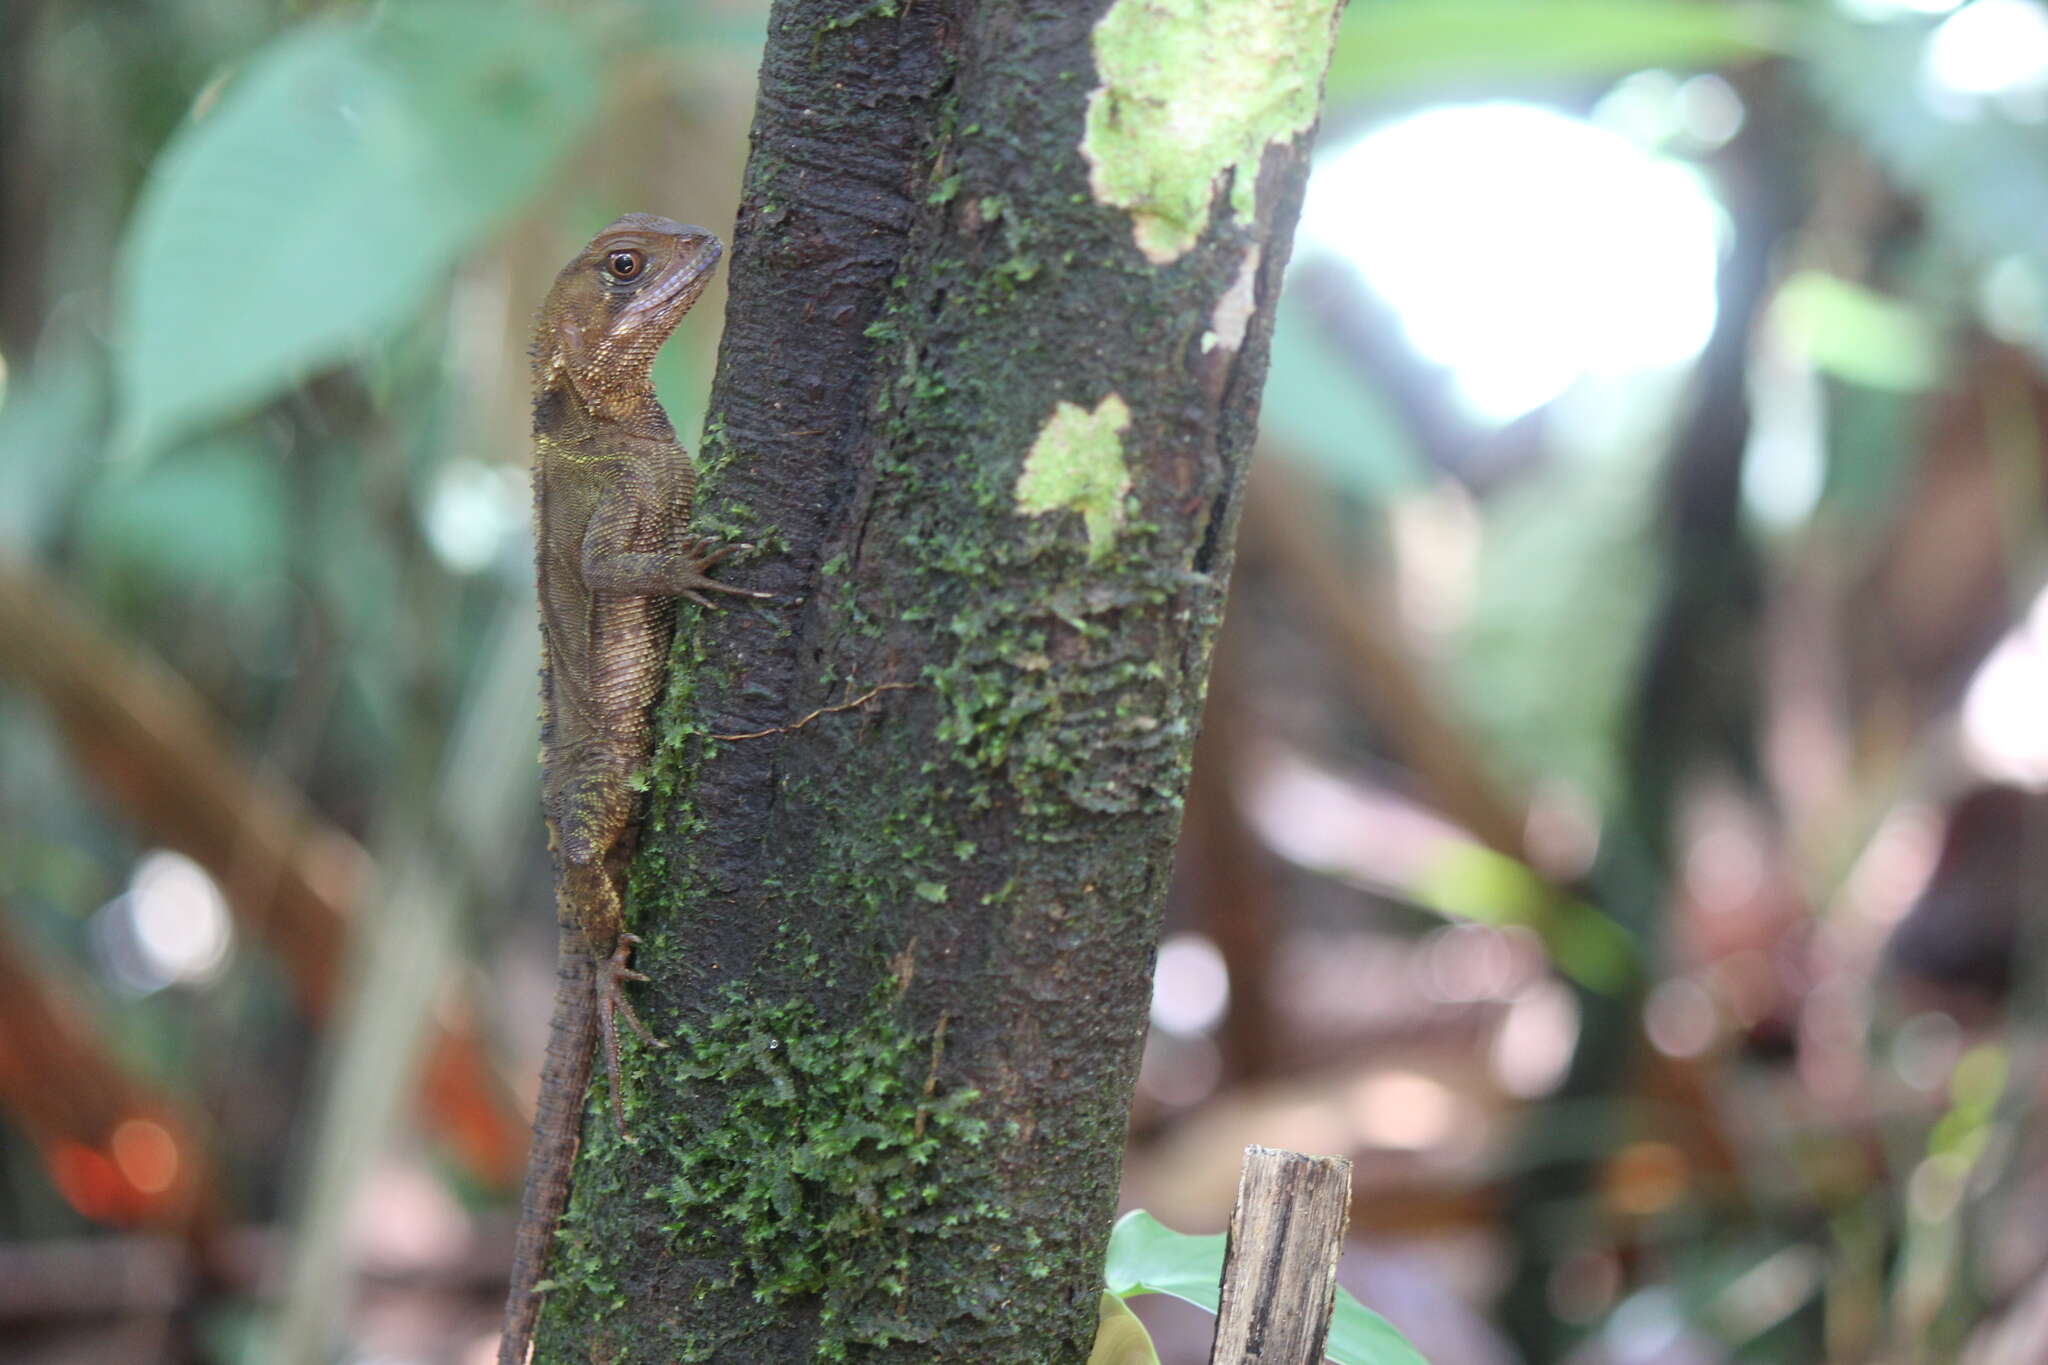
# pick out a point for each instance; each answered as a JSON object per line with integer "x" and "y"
{"x": 671, "y": 297}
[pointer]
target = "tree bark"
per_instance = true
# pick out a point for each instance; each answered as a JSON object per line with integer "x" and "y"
{"x": 988, "y": 382}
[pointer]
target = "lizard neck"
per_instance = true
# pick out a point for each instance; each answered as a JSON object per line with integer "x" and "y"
{"x": 561, "y": 409}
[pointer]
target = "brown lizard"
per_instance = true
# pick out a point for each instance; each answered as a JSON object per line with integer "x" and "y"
{"x": 612, "y": 491}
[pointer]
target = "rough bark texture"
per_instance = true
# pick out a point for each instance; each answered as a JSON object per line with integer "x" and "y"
{"x": 903, "y": 948}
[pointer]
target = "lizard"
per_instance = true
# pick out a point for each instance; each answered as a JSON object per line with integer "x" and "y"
{"x": 612, "y": 491}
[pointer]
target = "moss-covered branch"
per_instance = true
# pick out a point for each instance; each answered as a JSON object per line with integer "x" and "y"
{"x": 1002, "y": 288}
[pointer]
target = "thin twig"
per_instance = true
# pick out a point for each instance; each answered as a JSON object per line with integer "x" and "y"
{"x": 863, "y": 698}
{"x": 931, "y": 1080}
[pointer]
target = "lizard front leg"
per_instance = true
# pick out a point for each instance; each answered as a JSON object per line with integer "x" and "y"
{"x": 643, "y": 510}
{"x": 647, "y": 573}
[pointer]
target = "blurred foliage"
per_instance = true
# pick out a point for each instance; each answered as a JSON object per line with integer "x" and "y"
{"x": 1978, "y": 163}
{"x": 1564, "y": 596}
{"x": 263, "y": 411}
{"x": 270, "y": 268}
{"x": 1470, "y": 883}
{"x": 336, "y": 180}
{"x": 1317, "y": 408}
{"x": 1858, "y": 335}
{"x": 1410, "y": 47}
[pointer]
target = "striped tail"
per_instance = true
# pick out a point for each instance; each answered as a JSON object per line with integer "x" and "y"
{"x": 557, "y": 1126}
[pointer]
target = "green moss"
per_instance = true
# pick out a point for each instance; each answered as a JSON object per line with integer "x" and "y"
{"x": 819, "y": 1168}
{"x": 878, "y": 9}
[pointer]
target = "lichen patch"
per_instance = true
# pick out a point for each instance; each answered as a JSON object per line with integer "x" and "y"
{"x": 1233, "y": 313}
{"x": 1192, "y": 89}
{"x": 1077, "y": 464}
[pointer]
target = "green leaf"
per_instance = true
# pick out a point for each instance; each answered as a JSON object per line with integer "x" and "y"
{"x": 53, "y": 430}
{"x": 1120, "y": 1339}
{"x": 1326, "y": 412}
{"x": 1567, "y": 588}
{"x": 1474, "y": 882}
{"x": 330, "y": 191}
{"x": 1857, "y": 334}
{"x": 1147, "y": 1257}
{"x": 1874, "y": 440}
{"x": 1396, "y": 46}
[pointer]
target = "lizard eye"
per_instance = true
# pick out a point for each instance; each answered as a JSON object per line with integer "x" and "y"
{"x": 625, "y": 265}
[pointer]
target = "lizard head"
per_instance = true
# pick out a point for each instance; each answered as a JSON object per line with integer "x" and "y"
{"x": 615, "y": 304}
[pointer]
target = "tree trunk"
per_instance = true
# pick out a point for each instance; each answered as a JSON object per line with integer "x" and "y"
{"x": 1002, "y": 287}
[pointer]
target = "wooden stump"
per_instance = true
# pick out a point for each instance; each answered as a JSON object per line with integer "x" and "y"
{"x": 1280, "y": 1272}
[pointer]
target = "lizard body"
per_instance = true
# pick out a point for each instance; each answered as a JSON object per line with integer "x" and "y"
{"x": 612, "y": 498}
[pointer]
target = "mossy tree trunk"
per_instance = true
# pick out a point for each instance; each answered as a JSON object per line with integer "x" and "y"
{"x": 1002, "y": 287}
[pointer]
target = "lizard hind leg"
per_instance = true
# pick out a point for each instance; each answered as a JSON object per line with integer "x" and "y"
{"x": 600, "y": 917}
{"x": 612, "y": 1001}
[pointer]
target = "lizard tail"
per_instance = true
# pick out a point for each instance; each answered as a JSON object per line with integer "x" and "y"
{"x": 565, "y": 1076}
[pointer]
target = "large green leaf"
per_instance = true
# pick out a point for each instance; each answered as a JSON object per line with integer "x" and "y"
{"x": 330, "y": 191}
{"x": 52, "y": 430}
{"x": 1388, "y": 47}
{"x": 1148, "y": 1257}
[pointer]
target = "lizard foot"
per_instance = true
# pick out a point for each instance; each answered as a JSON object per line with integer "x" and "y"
{"x": 612, "y": 974}
{"x": 702, "y": 556}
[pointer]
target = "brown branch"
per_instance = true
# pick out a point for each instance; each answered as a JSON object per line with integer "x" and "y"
{"x": 292, "y": 880}
{"x": 117, "y": 1148}
{"x": 1379, "y": 669}
{"x": 931, "y": 1079}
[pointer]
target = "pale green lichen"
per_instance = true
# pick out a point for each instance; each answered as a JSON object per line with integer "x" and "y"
{"x": 1077, "y": 464}
{"x": 1192, "y": 89}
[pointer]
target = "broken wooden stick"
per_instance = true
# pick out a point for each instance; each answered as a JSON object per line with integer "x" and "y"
{"x": 1280, "y": 1269}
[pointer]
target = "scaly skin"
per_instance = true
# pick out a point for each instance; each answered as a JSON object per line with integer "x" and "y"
{"x": 612, "y": 491}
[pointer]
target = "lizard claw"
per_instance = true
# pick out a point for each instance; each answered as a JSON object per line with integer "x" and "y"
{"x": 706, "y": 552}
{"x": 702, "y": 555}
{"x": 713, "y": 585}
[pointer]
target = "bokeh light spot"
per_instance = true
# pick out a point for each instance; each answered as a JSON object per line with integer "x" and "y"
{"x": 1403, "y": 1110}
{"x": 89, "y": 1181}
{"x": 1646, "y": 1178}
{"x": 179, "y": 918}
{"x": 1991, "y": 47}
{"x": 1523, "y": 249}
{"x": 147, "y": 1155}
{"x": 1190, "y": 987}
{"x": 1535, "y": 1042}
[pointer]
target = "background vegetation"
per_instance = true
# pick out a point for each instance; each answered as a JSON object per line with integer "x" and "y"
{"x": 1612, "y": 825}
